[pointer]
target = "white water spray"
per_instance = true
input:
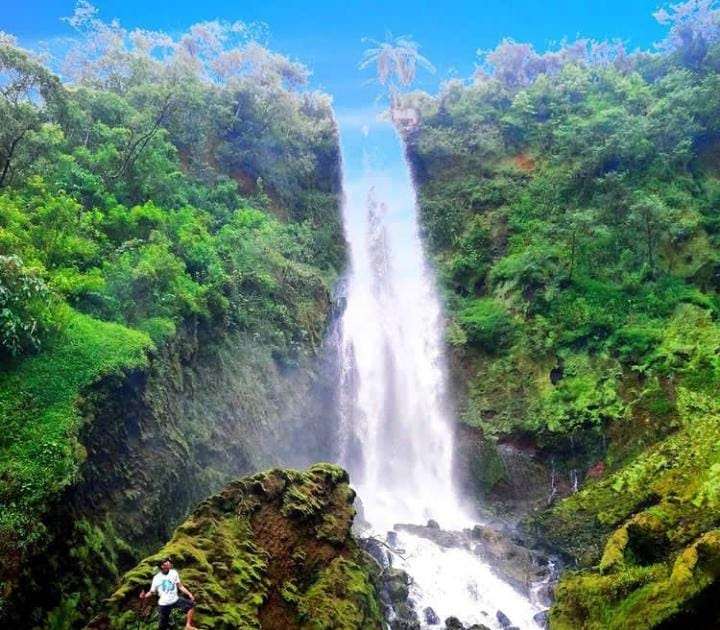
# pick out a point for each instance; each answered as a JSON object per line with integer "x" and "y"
{"x": 397, "y": 438}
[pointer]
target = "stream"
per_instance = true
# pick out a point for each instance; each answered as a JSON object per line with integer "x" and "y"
{"x": 397, "y": 437}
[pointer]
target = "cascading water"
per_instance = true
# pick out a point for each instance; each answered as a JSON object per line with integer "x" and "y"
{"x": 397, "y": 438}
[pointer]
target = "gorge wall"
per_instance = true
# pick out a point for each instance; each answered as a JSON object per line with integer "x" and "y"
{"x": 571, "y": 205}
{"x": 158, "y": 441}
{"x": 167, "y": 305}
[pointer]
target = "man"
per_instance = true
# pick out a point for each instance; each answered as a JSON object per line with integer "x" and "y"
{"x": 166, "y": 584}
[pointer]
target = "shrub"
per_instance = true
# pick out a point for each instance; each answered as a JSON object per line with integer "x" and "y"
{"x": 25, "y": 307}
{"x": 487, "y": 324}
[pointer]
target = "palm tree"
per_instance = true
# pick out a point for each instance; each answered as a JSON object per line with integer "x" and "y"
{"x": 396, "y": 60}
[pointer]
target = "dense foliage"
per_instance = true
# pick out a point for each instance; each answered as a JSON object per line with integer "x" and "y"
{"x": 572, "y": 202}
{"x": 168, "y": 187}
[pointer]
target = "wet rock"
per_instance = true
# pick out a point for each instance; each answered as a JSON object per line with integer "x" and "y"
{"x": 392, "y": 539}
{"x": 542, "y": 619}
{"x": 512, "y": 561}
{"x": 397, "y": 583}
{"x": 360, "y": 526}
{"x": 503, "y": 619}
{"x": 439, "y": 536}
{"x": 405, "y": 617}
{"x": 545, "y": 593}
{"x": 453, "y": 623}
{"x": 431, "y": 617}
{"x": 433, "y": 524}
{"x": 597, "y": 470}
{"x": 512, "y": 478}
{"x": 376, "y": 551}
{"x": 478, "y": 626}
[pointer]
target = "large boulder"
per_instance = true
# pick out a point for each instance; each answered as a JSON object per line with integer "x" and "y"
{"x": 522, "y": 567}
{"x": 270, "y": 551}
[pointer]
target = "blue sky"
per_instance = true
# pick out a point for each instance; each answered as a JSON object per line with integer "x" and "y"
{"x": 326, "y": 35}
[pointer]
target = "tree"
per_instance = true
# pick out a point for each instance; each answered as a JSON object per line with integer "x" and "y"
{"x": 694, "y": 26}
{"x": 396, "y": 61}
{"x": 25, "y": 311}
{"x": 26, "y": 87}
{"x": 651, "y": 218}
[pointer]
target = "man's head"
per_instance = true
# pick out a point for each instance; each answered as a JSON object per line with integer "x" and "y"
{"x": 165, "y": 565}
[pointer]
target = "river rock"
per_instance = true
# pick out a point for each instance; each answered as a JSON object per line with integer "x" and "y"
{"x": 453, "y": 623}
{"x": 433, "y": 524}
{"x": 542, "y": 618}
{"x": 439, "y": 536}
{"x": 431, "y": 617}
{"x": 513, "y": 562}
{"x": 478, "y": 626}
{"x": 545, "y": 593}
{"x": 405, "y": 617}
{"x": 360, "y": 526}
{"x": 376, "y": 551}
{"x": 503, "y": 619}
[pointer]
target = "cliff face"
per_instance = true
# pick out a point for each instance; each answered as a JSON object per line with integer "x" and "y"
{"x": 165, "y": 283}
{"x": 580, "y": 275}
{"x": 271, "y": 551}
{"x": 155, "y": 441}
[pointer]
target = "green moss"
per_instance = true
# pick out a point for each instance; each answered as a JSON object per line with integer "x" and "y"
{"x": 342, "y": 598}
{"x": 218, "y": 561}
{"x": 487, "y": 324}
{"x": 639, "y": 597}
{"x": 651, "y": 528}
{"x": 38, "y": 401}
{"x": 503, "y": 388}
{"x": 486, "y": 467}
{"x": 614, "y": 552}
{"x": 39, "y": 397}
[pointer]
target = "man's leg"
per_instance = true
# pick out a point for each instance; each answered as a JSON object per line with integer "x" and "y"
{"x": 189, "y": 619}
{"x": 188, "y": 607}
{"x": 164, "y": 617}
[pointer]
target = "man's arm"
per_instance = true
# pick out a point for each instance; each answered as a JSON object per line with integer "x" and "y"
{"x": 150, "y": 592}
{"x": 182, "y": 588}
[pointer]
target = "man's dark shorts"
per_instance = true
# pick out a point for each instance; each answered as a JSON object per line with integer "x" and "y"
{"x": 183, "y": 604}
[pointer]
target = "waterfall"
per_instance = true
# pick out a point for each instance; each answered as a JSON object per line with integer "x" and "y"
{"x": 396, "y": 435}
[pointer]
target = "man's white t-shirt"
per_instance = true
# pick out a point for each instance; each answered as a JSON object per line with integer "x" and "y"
{"x": 166, "y": 586}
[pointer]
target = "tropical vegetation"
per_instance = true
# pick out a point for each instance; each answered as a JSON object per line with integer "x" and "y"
{"x": 571, "y": 201}
{"x": 166, "y": 188}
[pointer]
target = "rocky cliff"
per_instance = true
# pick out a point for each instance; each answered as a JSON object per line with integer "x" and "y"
{"x": 154, "y": 441}
{"x": 575, "y": 233}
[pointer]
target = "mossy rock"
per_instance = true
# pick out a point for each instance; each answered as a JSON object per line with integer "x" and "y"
{"x": 647, "y": 534}
{"x": 269, "y": 551}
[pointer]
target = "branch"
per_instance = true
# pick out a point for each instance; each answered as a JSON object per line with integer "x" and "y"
{"x": 384, "y": 544}
{"x": 11, "y": 150}
{"x": 138, "y": 146}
